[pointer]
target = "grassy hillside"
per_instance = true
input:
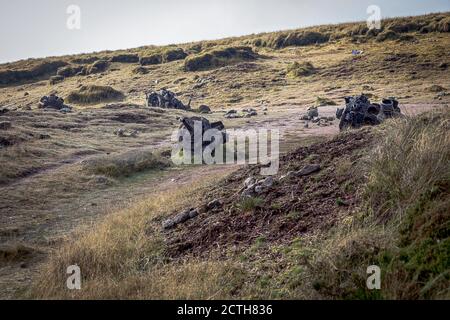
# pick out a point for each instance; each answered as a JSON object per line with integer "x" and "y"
{"x": 221, "y": 74}
{"x": 379, "y": 195}
{"x": 380, "y": 198}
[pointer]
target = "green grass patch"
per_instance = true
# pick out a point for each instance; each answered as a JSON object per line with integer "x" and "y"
{"x": 251, "y": 203}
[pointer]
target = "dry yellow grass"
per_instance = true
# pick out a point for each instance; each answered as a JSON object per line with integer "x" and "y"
{"x": 124, "y": 257}
{"x": 127, "y": 248}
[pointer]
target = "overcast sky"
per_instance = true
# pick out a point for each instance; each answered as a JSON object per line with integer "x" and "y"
{"x": 38, "y": 28}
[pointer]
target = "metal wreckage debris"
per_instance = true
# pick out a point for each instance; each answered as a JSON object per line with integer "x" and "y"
{"x": 359, "y": 111}
{"x": 165, "y": 99}
{"x": 188, "y": 124}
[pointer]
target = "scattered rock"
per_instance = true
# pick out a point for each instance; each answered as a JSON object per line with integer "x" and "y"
{"x": 268, "y": 182}
{"x": 65, "y": 110}
{"x": 309, "y": 169}
{"x": 313, "y": 112}
{"x": 288, "y": 176}
{"x": 215, "y": 204}
{"x": 204, "y": 109}
{"x": 180, "y": 218}
{"x": 245, "y": 113}
{"x": 252, "y": 188}
{"x": 249, "y": 181}
{"x": 120, "y": 132}
{"x": 123, "y": 133}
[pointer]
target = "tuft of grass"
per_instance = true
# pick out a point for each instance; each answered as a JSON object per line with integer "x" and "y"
{"x": 407, "y": 231}
{"x": 126, "y": 164}
{"x": 304, "y": 69}
{"x": 218, "y": 58}
{"x": 436, "y": 88}
{"x": 96, "y": 67}
{"x": 296, "y": 38}
{"x": 69, "y": 71}
{"x": 125, "y": 58}
{"x": 387, "y": 35}
{"x": 294, "y": 215}
{"x": 163, "y": 56}
{"x": 30, "y": 70}
{"x": 94, "y": 94}
{"x": 321, "y": 101}
{"x": 173, "y": 54}
{"x": 251, "y": 203}
{"x": 150, "y": 60}
{"x": 55, "y": 79}
{"x": 412, "y": 158}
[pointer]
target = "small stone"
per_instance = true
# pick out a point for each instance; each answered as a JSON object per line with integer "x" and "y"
{"x": 249, "y": 181}
{"x": 259, "y": 189}
{"x": 268, "y": 182}
{"x": 287, "y": 176}
{"x": 193, "y": 213}
{"x": 309, "y": 169}
{"x": 214, "y": 204}
{"x": 168, "y": 224}
{"x": 204, "y": 109}
{"x": 313, "y": 112}
{"x": 120, "y": 132}
{"x": 134, "y": 134}
{"x": 182, "y": 217}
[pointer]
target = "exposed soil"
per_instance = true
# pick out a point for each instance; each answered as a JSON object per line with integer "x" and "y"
{"x": 292, "y": 207}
